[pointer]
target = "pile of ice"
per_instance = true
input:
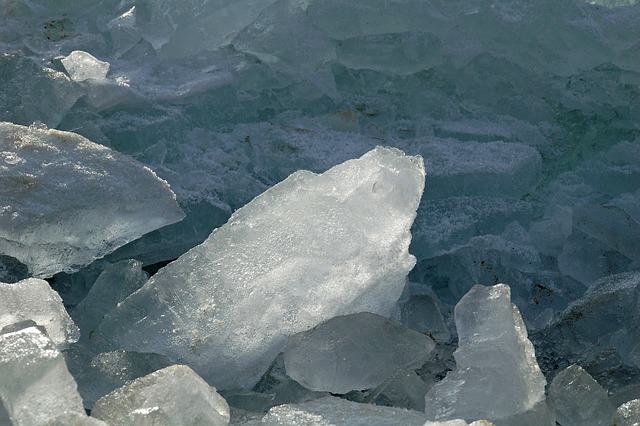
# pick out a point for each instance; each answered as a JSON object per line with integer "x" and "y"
{"x": 151, "y": 171}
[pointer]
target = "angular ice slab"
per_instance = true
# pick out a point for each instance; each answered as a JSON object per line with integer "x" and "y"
{"x": 35, "y": 385}
{"x": 353, "y": 352}
{"x": 579, "y": 400}
{"x": 65, "y": 201}
{"x": 497, "y": 376}
{"x": 339, "y": 412}
{"x": 172, "y": 396}
{"x": 310, "y": 248}
{"x": 83, "y": 66}
{"x": 33, "y": 299}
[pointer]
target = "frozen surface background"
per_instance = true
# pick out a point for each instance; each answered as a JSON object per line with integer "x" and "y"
{"x": 527, "y": 115}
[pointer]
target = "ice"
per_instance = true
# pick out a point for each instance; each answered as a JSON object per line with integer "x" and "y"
{"x": 67, "y": 201}
{"x": 83, "y": 66}
{"x": 595, "y": 332}
{"x": 628, "y": 414}
{"x": 33, "y": 299}
{"x": 227, "y": 306}
{"x": 111, "y": 287}
{"x": 578, "y": 399}
{"x": 36, "y": 386}
{"x": 335, "y": 411}
{"x": 496, "y": 376}
{"x": 172, "y": 396}
{"x": 353, "y": 352}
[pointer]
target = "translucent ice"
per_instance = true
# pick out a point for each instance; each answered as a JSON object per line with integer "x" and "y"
{"x": 306, "y": 250}
{"x": 353, "y": 352}
{"x": 33, "y": 299}
{"x": 579, "y": 400}
{"x": 628, "y": 414}
{"x": 83, "y": 66}
{"x": 172, "y": 396}
{"x": 339, "y": 412}
{"x": 36, "y": 386}
{"x": 65, "y": 201}
{"x": 496, "y": 375}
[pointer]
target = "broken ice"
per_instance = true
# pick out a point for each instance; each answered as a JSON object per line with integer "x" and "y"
{"x": 226, "y": 307}
{"x": 65, "y": 201}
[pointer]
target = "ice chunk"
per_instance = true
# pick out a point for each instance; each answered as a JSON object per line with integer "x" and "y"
{"x": 339, "y": 412}
{"x": 172, "y": 396}
{"x": 353, "y": 352}
{"x": 496, "y": 376}
{"x": 36, "y": 386}
{"x": 33, "y": 299}
{"x": 578, "y": 399}
{"x": 66, "y": 201}
{"x": 83, "y": 66}
{"x": 308, "y": 249}
{"x": 75, "y": 419}
{"x": 628, "y": 414}
{"x": 112, "y": 286}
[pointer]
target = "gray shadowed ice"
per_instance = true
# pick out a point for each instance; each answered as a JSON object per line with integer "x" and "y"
{"x": 353, "y": 352}
{"x": 308, "y": 249}
{"x": 34, "y": 300}
{"x": 66, "y": 201}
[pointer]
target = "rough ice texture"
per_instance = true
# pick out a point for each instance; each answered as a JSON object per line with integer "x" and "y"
{"x": 496, "y": 375}
{"x": 578, "y": 400}
{"x": 339, "y": 412}
{"x": 35, "y": 385}
{"x": 83, "y": 66}
{"x": 594, "y": 331}
{"x": 353, "y": 352}
{"x": 65, "y": 201}
{"x": 628, "y": 414}
{"x": 33, "y": 299}
{"x": 308, "y": 249}
{"x": 175, "y": 395}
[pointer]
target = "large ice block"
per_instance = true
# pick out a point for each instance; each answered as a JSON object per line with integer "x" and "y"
{"x": 354, "y": 352}
{"x": 35, "y": 385}
{"x": 33, "y": 299}
{"x": 174, "y": 395}
{"x": 496, "y": 376}
{"x": 65, "y": 201}
{"x": 306, "y": 250}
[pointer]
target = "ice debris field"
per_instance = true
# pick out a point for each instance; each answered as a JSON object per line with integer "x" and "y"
{"x": 320, "y": 212}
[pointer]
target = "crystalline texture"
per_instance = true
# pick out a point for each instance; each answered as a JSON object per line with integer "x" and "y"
{"x": 65, "y": 201}
{"x": 306, "y": 250}
{"x": 497, "y": 376}
{"x": 172, "y": 396}
{"x": 82, "y": 66}
{"x": 36, "y": 386}
{"x": 33, "y": 299}
{"x": 353, "y": 352}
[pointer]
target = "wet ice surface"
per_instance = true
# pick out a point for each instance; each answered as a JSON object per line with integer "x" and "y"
{"x": 525, "y": 116}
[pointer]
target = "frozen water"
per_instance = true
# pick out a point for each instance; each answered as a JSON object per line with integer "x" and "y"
{"x": 83, "y": 66}
{"x": 496, "y": 375}
{"x": 33, "y": 299}
{"x": 353, "y": 352}
{"x": 227, "y": 306}
{"x": 335, "y": 411}
{"x": 578, "y": 399}
{"x": 36, "y": 386}
{"x": 628, "y": 414}
{"x": 172, "y": 396}
{"x": 67, "y": 201}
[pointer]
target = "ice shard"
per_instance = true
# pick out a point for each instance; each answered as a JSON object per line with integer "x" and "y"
{"x": 353, "y": 352}
{"x": 34, "y": 300}
{"x": 306, "y": 250}
{"x": 65, "y": 201}
{"x": 496, "y": 376}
